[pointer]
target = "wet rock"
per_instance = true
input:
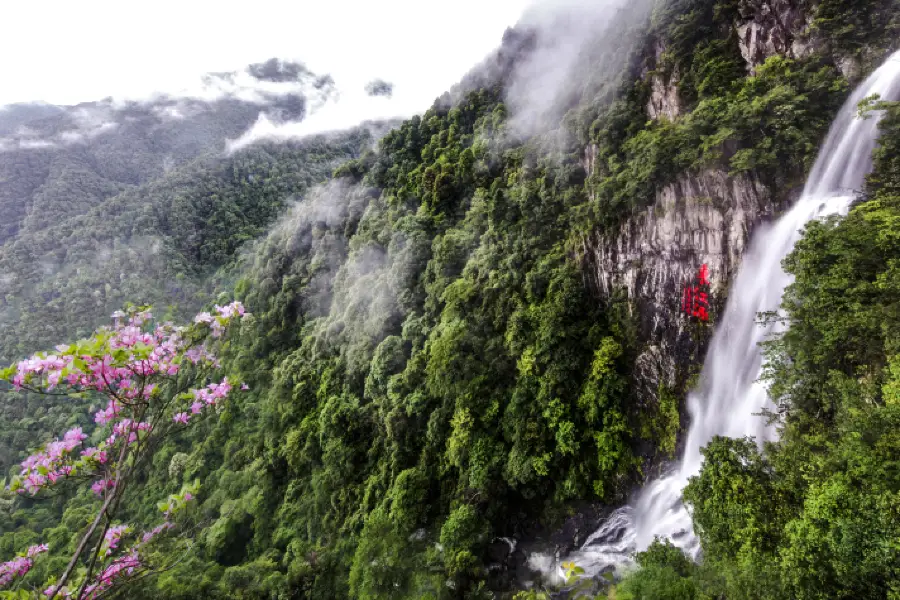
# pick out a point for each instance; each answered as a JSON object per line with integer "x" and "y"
{"x": 498, "y": 551}
{"x": 850, "y": 67}
{"x": 700, "y": 218}
{"x": 770, "y": 27}
{"x": 664, "y": 100}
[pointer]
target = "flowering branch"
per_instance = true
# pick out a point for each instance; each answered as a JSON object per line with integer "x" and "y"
{"x": 147, "y": 375}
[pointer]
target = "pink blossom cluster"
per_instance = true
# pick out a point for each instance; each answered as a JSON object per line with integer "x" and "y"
{"x": 156, "y": 352}
{"x": 20, "y": 565}
{"x": 129, "y": 427}
{"x": 125, "y": 564}
{"x": 211, "y": 395}
{"x": 50, "y": 464}
{"x": 124, "y": 363}
{"x": 95, "y": 454}
{"x": 101, "y": 485}
{"x": 235, "y": 309}
{"x": 124, "y": 379}
{"x": 149, "y": 535}
{"x": 200, "y": 354}
{"x": 224, "y": 313}
{"x": 113, "y": 536}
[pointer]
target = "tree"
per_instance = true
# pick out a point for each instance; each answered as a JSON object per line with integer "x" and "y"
{"x": 147, "y": 374}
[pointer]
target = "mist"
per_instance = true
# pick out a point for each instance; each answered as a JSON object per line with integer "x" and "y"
{"x": 571, "y": 39}
{"x": 344, "y": 109}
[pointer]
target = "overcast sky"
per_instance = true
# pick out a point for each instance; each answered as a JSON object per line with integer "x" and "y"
{"x": 65, "y": 51}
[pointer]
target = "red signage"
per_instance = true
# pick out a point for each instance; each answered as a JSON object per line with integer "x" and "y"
{"x": 695, "y": 297}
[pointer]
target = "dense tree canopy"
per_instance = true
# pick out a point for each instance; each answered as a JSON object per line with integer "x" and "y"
{"x": 427, "y": 369}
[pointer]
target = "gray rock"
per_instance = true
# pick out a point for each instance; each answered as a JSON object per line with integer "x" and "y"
{"x": 770, "y": 27}
{"x": 701, "y": 218}
{"x": 664, "y": 100}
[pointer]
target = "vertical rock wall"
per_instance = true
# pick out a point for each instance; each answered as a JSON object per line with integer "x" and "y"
{"x": 702, "y": 218}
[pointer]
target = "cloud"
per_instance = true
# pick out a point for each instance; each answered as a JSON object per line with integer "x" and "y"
{"x": 27, "y": 144}
{"x": 577, "y": 49}
{"x": 283, "y": 89}
{"x": 34, "y": 140}
{"x": 70, "y": 126}
{"x": 258, "y": 83}
{"x": 341, "y": 109}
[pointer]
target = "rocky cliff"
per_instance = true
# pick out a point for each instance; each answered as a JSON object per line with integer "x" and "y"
{"x": 769, "y": 27}
{"x": 701, "y": 218}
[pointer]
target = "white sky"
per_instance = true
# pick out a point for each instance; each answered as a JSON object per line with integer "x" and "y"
{"x": 69, "y": 51}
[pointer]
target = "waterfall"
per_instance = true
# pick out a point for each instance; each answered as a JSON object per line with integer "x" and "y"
{"x": 730, "y": 395}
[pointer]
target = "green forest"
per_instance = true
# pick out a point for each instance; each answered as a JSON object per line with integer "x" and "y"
{"x": 426, "y": 367}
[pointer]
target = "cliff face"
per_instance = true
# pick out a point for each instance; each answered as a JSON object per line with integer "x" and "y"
{"x": 704, "y": 217}
{"x": 701, "y": 218}
{"x": 664, "y": 99}
{"x": 769, "y": 27}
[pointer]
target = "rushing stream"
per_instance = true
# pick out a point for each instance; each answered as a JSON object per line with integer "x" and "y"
{"x": 730, "y": 395}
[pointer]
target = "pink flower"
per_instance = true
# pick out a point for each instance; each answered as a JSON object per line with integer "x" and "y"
{"x": 113, "y": 536}
{"x": 221, "y": 390}
{"x": 53, "y": 379}
{"x": 63, "y": 593}
{"x": 95, "y": 454}
{"x": 196, "y": 407}
{"x": 17, "y": 567}
{"x": 102, "y": 417}
{"x": 235, "y": 309}
{"x": 74, "y": 435}
{"x": 244, "y": 387}
{"x": 101, "y": 485}
{"x": 204, "y": 317}
{"x": 182, "y": 418}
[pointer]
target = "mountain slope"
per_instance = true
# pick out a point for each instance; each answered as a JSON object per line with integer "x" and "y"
{"x": 61, "y": 161}
{"x": 443, "y": 352}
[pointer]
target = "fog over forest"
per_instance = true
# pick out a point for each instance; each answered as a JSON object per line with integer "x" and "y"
{"x": 520, "y": 300}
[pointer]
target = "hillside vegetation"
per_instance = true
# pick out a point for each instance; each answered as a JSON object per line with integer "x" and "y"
{"x": 428, "y": 370}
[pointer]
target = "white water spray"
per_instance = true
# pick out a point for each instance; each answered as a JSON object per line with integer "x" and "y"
{"x": 730, "y": 396}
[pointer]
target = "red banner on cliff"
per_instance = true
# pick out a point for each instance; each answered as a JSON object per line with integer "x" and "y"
{"x": 695, "y": 296}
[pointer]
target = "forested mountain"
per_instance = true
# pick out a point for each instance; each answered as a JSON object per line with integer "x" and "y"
{"x": 477, "y": 328}
{"x": 159, "y": 244}
{"x": 108, "y": 203}
{"x": 62, "y": 161}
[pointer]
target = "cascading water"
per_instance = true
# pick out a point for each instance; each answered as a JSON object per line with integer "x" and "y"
{"x": 730, "y": 393}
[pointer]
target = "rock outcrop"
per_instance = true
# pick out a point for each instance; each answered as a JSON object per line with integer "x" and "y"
{"x": 770, "y": 27}
{"x": 664, "y": 100}
{"x": 701, "y": 218}
{"x": 765, "y": 28}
